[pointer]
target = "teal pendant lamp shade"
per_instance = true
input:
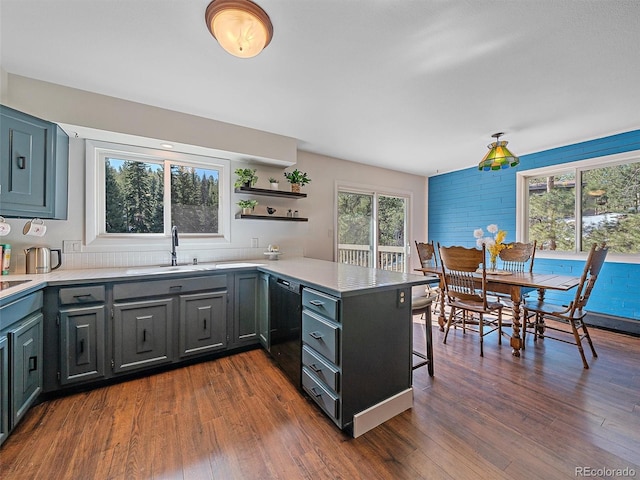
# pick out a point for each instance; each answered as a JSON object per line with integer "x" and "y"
{"x": 498, "y": 156}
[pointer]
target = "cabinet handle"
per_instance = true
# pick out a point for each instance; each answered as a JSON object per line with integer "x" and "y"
{"x": 316, "y": 303}
{"x": 33, "y": 364}
{"x": 175, "y": 287}
{"x": 316, "y": 335}
{"x": 22, "y": 163}
{"x": 144, "y": 335}
{"x": 315, "y": 368}
{"x": 204, "y": 323}
{"x": 81, "y": 347}
{"x": 83, "y": 296}
{"x": 313, "y": 389}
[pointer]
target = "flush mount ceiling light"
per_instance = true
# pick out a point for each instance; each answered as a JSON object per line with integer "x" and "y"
{"x": 498, "y": 156}
{"x": 241, "y": 27}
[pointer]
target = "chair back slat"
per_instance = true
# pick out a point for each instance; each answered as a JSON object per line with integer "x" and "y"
{"x": 592, "y": 267}
{"x": 518, "y": 257}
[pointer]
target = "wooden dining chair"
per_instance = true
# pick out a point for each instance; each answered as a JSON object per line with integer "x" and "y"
{"x": 465, "y": 293}
{"x": 428, "y": 258}
{"x": 518, "y": 257}
{"x": 572, "y": 314}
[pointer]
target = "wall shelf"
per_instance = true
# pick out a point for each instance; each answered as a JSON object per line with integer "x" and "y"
{"x": 272, "y": 217}
{"x": 269, "y": 193}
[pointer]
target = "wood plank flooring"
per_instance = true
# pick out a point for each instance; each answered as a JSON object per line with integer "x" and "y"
{"x": 497, "y": 417}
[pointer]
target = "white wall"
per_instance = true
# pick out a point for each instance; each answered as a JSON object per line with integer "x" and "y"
{"x": 313, "y": 238}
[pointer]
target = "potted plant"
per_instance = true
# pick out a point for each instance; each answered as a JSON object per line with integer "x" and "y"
{"x": 246, "y": 177}
{"x": 247, "y": 206}
{"x": 275, "y": 183}
{"x": 297, "y": 179}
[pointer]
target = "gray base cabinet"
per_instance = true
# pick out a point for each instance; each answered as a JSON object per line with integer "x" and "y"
{"x": 246, "y": 308}
{"x": 21, "y": 359}
{"x": 142, "y": 334}
{"x": 4, "y": 389}
{"x": 81, "y": 344}
{"x": 25, "y": 343}
{"x": 203, "y": 323}
{"x": 356, "y": 350}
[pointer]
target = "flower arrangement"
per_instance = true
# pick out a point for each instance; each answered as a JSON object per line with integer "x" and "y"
{"x": 493, "y": 244}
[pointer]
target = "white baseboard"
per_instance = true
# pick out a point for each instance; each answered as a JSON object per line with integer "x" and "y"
{"x": 381, "y": 412}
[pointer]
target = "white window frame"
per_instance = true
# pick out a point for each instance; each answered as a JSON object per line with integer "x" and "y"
{"x": 522, "y": 201}
{"x": 95, "y": 237}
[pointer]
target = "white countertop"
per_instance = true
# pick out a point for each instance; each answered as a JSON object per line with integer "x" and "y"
{"x": 338, "y": 278}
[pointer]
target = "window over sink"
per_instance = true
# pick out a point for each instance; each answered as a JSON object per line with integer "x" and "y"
{"x": 140, "y": 193}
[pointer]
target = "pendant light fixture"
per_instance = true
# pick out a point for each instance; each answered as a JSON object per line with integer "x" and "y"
{"x": 241, "y": 27}
{"x": 498, "y": 156}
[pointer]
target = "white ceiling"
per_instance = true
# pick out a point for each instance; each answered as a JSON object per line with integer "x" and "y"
{"x": 412, "y": 85}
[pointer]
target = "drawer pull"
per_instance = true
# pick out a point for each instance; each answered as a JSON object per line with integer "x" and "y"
{"x": 175, "y": 287}
{"x": 316, "y": 303}
{"x": 313, "y": 389}
{"x": 22, "y": 162}
{"x": 83, "y": 296}
{"x": 33, "y": 364}
{"x": 315, "y": 368}
{"x": 316, "y": 335}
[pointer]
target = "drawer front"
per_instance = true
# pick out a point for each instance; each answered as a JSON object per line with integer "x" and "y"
{"x": 320, "y": 303}
{"x": 321, "y": 335}
{"x": 79, "y": 295}
{"x": 18, "y": 309}
{"x": 327, "y": 400}
{"x": 322, "y": 369}
{"x": 122, "y": 291}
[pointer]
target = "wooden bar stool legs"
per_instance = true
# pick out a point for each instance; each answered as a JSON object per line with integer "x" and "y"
{"x": 422, "y": 306}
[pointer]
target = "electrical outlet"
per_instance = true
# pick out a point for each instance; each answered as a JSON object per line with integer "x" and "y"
{"x": 71, "y": 246}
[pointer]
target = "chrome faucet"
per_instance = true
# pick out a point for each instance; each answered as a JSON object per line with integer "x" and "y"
{"x": 174, "y": 244}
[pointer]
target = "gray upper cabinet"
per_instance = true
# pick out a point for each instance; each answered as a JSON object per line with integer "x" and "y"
{"x": 34, "y": 159}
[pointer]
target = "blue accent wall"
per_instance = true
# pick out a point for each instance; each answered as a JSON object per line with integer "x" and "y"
{"x": 460, "y": 202}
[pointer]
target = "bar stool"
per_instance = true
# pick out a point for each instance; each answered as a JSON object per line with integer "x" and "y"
{"x": 421, "y": 305}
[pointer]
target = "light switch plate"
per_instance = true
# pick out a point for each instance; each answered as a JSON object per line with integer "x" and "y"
{"x": 71, "y": 246}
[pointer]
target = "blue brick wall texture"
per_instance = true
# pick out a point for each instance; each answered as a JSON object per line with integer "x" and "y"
{"x": 461, "y": 201}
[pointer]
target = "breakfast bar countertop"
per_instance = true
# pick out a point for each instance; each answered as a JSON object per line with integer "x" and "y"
{"x": 336, "y": 278}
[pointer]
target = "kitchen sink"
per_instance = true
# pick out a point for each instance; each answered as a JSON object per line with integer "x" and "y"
{"x": 160, "y": 269}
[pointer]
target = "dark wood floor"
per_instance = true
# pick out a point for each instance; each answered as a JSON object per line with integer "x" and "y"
{"x": 539, "y": 416}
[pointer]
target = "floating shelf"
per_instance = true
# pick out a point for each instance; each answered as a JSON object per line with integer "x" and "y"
{"x": 272, "y": 217}
{"x": 269, "y": 193}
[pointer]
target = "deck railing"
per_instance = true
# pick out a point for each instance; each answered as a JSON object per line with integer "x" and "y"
{"x": 389, "y": 258}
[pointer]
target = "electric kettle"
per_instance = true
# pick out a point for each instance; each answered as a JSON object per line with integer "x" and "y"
{"x": 39, "y": 259}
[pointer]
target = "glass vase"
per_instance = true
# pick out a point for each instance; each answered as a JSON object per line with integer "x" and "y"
{"x": 493, "y": 260}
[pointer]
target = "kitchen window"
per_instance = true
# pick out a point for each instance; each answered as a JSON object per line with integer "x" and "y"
{"x": 567, "y": 208}
{"x": 140, "y": 193}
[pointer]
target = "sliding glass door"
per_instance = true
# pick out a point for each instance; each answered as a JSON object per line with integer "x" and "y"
{"x": 372, "y": 230}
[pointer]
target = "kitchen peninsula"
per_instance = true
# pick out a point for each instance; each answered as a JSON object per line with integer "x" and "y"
{"x": 99, "y": 325}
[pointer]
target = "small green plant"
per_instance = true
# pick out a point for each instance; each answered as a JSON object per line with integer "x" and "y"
{"x": 247, "y": 203}
{"x": 246, "y": 177}
{"x": 297, "y": 177}
{"x": 273, "y": 180}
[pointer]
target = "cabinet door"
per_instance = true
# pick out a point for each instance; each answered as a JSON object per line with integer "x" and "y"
{"x": 81, "y": 344}
{"x": 26, "y": 366}
{"x": 33, "y": 166}
{"x": 203, "y": 323}
{"x": 142, "y": 334}
{"x": 4, "y": 389}
{"x": 263, "y": 311}
{"x": 246, "y": 308}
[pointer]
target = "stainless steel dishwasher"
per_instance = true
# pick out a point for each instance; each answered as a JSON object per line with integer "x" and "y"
{"x": 285, "y": 317}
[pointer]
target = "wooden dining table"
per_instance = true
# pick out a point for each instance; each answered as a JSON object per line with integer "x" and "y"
{"x": 516, "y": 285}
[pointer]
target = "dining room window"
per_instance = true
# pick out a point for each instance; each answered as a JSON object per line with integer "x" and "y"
{"x": 567, "y": 208}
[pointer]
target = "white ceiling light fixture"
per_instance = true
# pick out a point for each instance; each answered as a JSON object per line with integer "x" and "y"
{"x": 241, "y": 27}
